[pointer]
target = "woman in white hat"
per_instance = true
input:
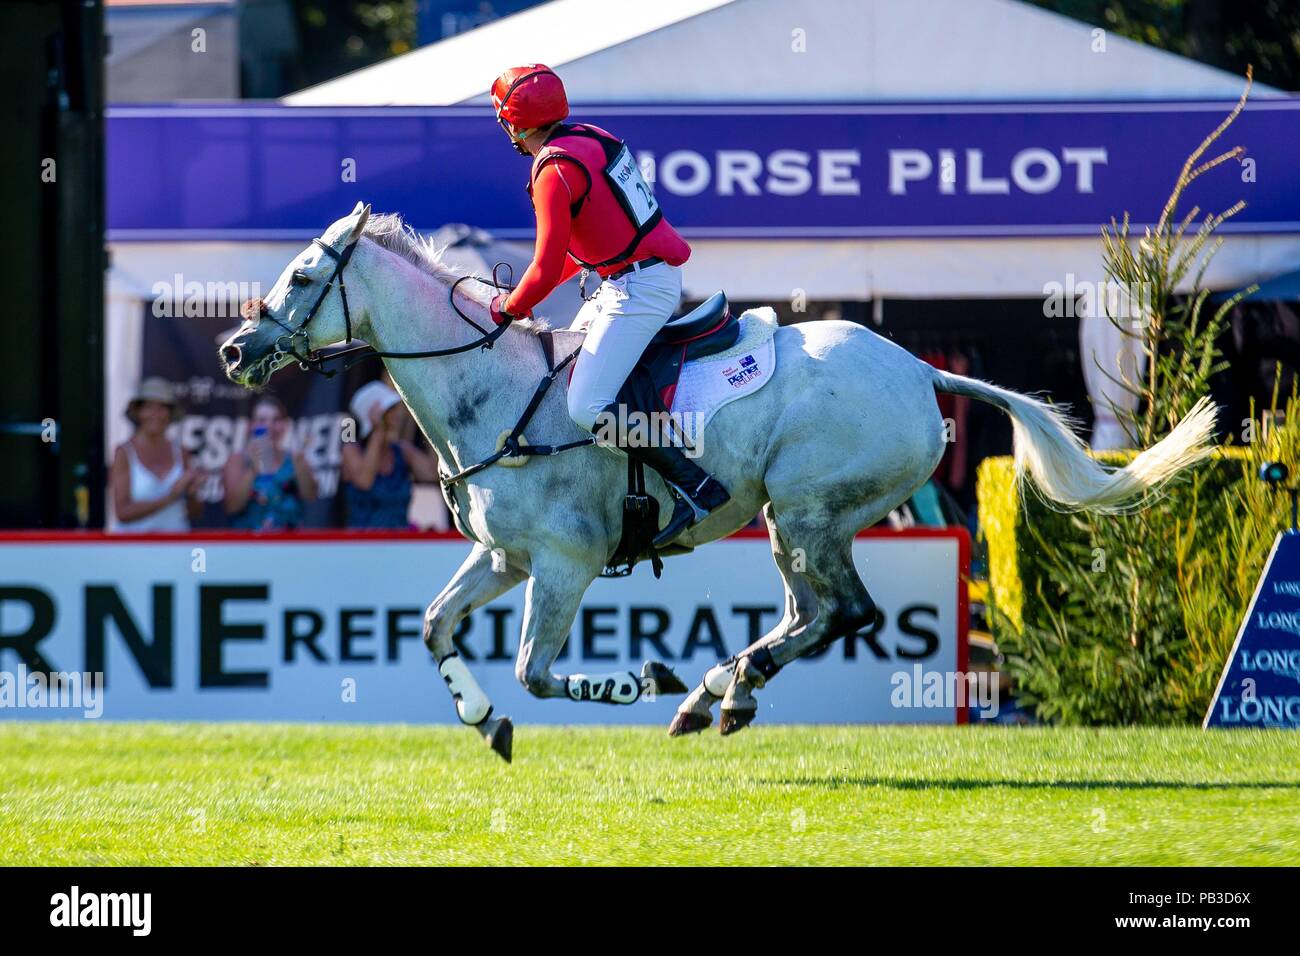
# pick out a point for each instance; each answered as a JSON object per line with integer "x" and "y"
{"x": 153, "y": 486}
{"x": 378, "y": 469}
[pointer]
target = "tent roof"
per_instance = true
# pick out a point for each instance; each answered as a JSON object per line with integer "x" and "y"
{"x": 786, "y": 51}
{"x": 463, "y": 67}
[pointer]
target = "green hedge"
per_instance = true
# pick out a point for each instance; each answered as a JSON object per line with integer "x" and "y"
{"x": 1126, "y": 619}
{"x": 1008, "y": 521}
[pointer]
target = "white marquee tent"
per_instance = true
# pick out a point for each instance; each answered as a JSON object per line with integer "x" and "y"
{"x": 734, "y": 51}
{"x": 684, "y": 51}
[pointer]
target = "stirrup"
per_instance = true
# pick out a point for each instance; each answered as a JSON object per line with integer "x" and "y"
{"x": 684, "y": 516}
{"x": 687, "y": 512}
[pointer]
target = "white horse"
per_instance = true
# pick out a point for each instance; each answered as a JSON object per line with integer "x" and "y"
{"x": 847, "y": 429}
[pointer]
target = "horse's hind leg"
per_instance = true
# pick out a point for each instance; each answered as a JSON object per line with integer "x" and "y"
{"x": 482, "y": 577}
{"x": 694, "y": 714}
{"x": 839, "y": 605}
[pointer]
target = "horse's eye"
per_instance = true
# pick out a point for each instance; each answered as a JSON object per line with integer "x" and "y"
{"x": 301, "y": 278}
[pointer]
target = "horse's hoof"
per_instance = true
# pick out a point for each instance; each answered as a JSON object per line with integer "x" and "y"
{"x": 659, "y": 679}
{"x": 747, "y": 672}
{"x": 503, "y": 739}
{"x": 688, "y": 722}
{"x": 734, "y": 720}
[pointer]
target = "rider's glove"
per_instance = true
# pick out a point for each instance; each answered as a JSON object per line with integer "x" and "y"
{"x": 498, "y": 308}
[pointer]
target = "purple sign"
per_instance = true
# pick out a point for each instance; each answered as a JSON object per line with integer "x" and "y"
{"x": 830, "y": 171}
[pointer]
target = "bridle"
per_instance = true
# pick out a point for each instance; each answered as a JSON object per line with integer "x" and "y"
{"x": 309, "y": 359}
{"x": 511, "y": 445}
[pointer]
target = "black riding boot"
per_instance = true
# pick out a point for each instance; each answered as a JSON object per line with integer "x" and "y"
{"x": 695, "y": 492}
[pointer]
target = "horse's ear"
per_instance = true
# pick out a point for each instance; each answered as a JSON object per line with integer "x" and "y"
{"x": 360, "y": 215}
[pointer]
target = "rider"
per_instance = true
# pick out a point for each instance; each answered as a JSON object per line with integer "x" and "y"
{"x": 595, "y": 211}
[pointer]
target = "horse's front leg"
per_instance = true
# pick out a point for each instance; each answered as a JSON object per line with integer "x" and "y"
{"x": 481, "y": 578}
{"x": 554, "y": 594}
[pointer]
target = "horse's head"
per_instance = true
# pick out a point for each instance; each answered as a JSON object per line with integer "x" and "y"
{"x": 303, "y": 312}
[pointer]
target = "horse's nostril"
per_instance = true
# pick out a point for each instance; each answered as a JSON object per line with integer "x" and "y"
{"x": 232, "y": 355}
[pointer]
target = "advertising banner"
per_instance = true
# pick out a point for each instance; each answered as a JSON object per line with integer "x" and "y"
{"x": 215, "y": 421}
{"x": 326, "y": 627}
{"x": 737, "y": 171}
{"x": 1260, "y": 686}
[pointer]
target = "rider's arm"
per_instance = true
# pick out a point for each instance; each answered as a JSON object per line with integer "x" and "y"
{"x": 551, "y": 264}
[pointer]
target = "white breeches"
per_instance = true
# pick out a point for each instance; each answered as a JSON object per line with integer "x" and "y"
{"x": 621, "y": 319}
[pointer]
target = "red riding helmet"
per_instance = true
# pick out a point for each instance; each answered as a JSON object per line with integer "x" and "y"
{"x": 529, "y": 97}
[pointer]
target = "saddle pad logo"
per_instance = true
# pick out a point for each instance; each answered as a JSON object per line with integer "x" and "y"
{"x": 738, "y": 376}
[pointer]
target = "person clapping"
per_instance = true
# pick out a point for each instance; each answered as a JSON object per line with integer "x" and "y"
{"x": 378, "y": 470}
{"x": 267, "y": 485}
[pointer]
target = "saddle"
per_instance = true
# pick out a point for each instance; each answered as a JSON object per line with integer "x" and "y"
{"x": 706, "y": 330}
{"x": 703, "y": 331}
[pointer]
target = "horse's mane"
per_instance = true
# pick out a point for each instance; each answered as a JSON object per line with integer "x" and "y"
{"x": 389, "y": 231}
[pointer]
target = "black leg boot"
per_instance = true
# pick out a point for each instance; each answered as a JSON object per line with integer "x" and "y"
{"x": 695, "y": 492}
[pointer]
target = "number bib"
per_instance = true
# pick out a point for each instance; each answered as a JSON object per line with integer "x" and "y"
{"x": 630, "y": 187}
{"x": 633, "y": 195}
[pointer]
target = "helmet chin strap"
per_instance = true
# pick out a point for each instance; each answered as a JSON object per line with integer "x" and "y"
{"x": 516, "y": 138}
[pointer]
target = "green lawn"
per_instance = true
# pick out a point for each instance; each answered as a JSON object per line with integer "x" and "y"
{"x": 104, "y": 793}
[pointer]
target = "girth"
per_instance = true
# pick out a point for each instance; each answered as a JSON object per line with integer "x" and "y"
{"x": 640, "y": 510}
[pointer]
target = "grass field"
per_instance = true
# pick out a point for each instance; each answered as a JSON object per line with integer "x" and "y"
{"x": 106, "y": 793}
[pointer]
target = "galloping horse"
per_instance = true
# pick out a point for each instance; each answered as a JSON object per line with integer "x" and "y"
{"x": 847, "y": 429}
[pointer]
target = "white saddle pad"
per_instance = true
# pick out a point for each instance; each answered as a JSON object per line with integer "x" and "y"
{"x": 708, "y": 384}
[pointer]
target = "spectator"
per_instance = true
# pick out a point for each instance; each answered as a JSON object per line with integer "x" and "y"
{"x": 267, "y": 485}
{"x": 377, "y": 479}
{"x": 153, "y": 486}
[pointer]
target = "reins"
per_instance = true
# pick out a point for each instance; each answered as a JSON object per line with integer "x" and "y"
{"x": 510, "y": 447}
{"x": 313, "y": 360}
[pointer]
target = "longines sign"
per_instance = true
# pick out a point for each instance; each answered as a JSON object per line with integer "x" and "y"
{"x": 1260, "y": 686}
{"x": 328, "y": 628}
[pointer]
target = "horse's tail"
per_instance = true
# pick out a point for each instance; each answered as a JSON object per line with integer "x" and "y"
{"x": 1047, "y": 447}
